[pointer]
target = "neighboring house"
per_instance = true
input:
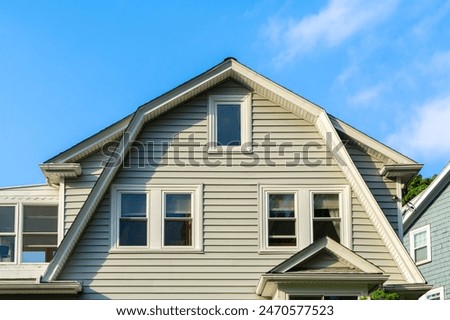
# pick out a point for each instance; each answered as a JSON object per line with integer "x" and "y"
{"x": 427, "y": 234}
{"x": 227, "y": 187}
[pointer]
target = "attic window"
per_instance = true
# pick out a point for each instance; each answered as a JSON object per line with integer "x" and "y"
{"x": 229, "y": 123}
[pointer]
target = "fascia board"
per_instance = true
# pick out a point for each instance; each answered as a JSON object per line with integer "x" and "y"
{"x": 57, "y": 287}
{"x": 370, "y": 142}
{"x": 93, "y": 143}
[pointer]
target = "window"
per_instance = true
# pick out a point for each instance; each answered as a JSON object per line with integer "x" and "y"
{"x": 294, "y": 217}
{"x": 178, "y": 219}
{"x": 229, "y": 122}
{"x": 281, "y": 220}
{"x": 133, "y": 219}
{"x": 7, "y": 233}
{"x": 157, "y": 218}
{"x": 40, "y": 233}
{"x": 326, "y": 219}
{"x": 434, "y": 294}
{"x": 28, "y": 233}
{"x": 420, "y": 244}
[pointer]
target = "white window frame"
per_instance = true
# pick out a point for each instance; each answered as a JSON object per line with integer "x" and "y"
{"x": 163, "y": 218}
{"x": 244, "y": 100}
{"x": 119, "y": 215}
{"x": 18, "y": 230}
{"x": 267, "y": 217}
{"x": 342, "y": 207}
{"x": 286, "y": 291}
{"x": 14, "y": 234}
{"x": 412, "y": 233}
{"x": 155, "y": 217}
{"x": 304, "y": 214}
{"x": 439, "y": 290}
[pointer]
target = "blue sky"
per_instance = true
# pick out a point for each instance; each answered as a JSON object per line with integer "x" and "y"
{"x": 70, "y": 68}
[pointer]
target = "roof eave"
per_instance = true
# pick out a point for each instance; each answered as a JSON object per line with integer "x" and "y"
{"x": 53, "y": 172}
{"x": 51, "y": 288}
{"x": 403, "y": 171}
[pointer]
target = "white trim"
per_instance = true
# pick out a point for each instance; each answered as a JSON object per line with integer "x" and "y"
{"x": 155, "y": 217}
{"x": 61, "y": 209}
{"x": 439, "y": 290}
{"x": 244, "y": 100}
{"x": 412, "y": 233}
{"x": 398, "y": 199}
{"x": 304, "y": 214}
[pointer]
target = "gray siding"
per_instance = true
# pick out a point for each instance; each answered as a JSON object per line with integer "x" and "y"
{"x": 382, "y": 189}
{"x": 436, "y": 215}
{"x": 230, "y": 266}
{"x": 77, "y": 190}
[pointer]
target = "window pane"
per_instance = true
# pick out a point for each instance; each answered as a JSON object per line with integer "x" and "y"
{"x": 324, "y": 203}
{"x": 40, "y": 218}
{"x": 132, "y": 233}
{"x": 178, "y": 205}
{"x": 134, "y": 205}
{"x": 277, "y": 227}
{"x": 177, "y": 233}
{"x": 281, "y": 205}
{"x": 229, "y": 124}
{"x": 420, "y": 239}
{"x": 282, "y": 242}
{"x": 327, "y": 228}
{"x": 7, "y": 219}
{"x": 421, "y": 254}
{"x": 7, "y": 248}
{"x": 326, "y": 216}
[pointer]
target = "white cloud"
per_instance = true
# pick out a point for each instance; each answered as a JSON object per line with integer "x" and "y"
{"x": 366, "y": 96}
{"x": 337, "y": 22}
{"x": 425, "y": 133}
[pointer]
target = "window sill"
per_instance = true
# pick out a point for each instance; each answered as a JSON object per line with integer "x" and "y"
{"x": 156, "y": 251}
{"x": 234, "y": 149}
{"x": 421, "y": 263}
{"x": 278, "y": 251}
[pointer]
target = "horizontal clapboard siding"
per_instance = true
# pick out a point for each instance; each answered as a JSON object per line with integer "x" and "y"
{"x": 230, "y": 266}
{"x": 77, "y": 190}
{"x": 382, "y": 189}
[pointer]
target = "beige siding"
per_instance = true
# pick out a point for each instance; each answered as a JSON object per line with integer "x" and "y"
{"x": 230, "y": 266}
{"x": 77, "y": 190}
{"x": 382, "y": 189}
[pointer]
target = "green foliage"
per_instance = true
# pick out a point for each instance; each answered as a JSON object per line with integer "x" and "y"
{"x": 417, "y": 185}
{"x": 380, "y": 294}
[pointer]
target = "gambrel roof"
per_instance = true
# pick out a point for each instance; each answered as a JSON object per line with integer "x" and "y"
{"x": 329, "y": 128}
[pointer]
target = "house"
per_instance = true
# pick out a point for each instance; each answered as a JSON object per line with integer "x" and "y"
{"x": 227, "y": 187}
{"x": 427, "y": 228}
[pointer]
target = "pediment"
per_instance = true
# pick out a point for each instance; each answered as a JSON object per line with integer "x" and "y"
{"x": 326, "y": 256}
